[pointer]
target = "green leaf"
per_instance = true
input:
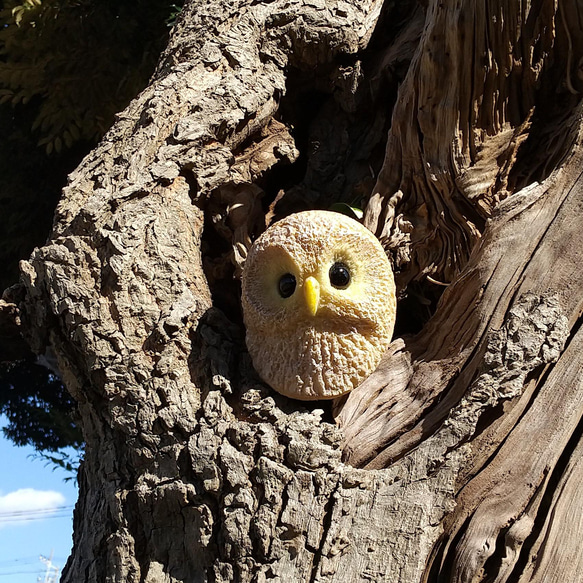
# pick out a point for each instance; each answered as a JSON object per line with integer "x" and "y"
{"x": 351, "y": 211}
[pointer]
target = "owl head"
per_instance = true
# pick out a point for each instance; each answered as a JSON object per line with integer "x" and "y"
{"x": 318, "y": 304}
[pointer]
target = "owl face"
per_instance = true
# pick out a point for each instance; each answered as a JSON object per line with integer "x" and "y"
{"x": 318, "y": 304}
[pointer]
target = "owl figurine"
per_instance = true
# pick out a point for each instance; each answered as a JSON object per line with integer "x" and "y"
{"x": 318, "y": 298}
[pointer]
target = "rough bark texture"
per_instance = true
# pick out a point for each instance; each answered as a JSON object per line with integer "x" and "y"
{"x": 458, "y": 459}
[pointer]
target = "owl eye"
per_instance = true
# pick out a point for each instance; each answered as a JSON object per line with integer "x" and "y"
{"x": 339, "y": 275}
{"x": 286, "y": 285}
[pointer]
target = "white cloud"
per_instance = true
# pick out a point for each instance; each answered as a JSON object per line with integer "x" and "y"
{"x": 27, "y": 504}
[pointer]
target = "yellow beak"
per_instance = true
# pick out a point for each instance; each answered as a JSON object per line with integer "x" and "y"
{"x": 312, "y": 291}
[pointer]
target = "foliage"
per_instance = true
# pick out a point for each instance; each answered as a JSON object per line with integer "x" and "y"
{"x": 29, "y": 186}
{"x": 66, "y": 460}
{"x": 66, "y": 68}
{"x": 78, "y": 61}
{"x": 38, "y": 408}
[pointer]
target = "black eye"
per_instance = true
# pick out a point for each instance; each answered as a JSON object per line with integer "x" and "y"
{"x": 287, "y": 285}
{"x": 339, "y": 275}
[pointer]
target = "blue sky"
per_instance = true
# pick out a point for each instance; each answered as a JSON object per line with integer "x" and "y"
{"x": 36, "y": 512}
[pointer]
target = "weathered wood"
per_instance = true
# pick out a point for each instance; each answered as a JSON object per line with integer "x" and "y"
{"x": 454, "y": 459}
{"x": 471, "y": 100}
{"x": 393, "y": 411}
{"x": 554, "y": 556}
{"x": 120, "y": 294}
{"x": 494, "y": 501}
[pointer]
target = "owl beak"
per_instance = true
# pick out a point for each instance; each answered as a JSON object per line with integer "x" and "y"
{"x": 312, "y": 291}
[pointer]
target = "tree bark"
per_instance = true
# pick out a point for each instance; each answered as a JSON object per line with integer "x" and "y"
{"x": 458, "y": 459}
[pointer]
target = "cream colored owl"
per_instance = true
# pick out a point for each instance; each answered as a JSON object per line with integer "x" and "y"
{"x": 318, "y": 304}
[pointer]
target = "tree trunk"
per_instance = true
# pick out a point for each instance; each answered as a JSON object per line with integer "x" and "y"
{"x": 459, "y": 459}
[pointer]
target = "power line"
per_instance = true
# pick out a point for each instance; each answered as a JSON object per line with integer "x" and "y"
{"x": 23, "y": 564}
{"x": 22, "y": 560}
{"x": 28, "y": 559}
{"x": 36, "y": 511}
{"x": 30, "y": 512}
{"x": 19, "y": 516}
{"x": 32, "y": 519}
{"x": 19, "y": 573}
